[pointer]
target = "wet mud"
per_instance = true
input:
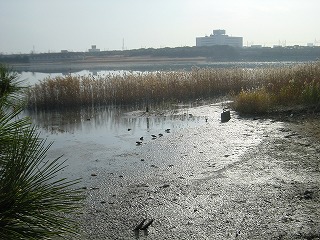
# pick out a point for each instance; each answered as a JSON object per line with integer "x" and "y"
{"x": 248, "y": 178}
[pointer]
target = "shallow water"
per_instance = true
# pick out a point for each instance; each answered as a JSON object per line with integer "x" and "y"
{"x": 105, "y": 139}
{"x": 31, "y": 78}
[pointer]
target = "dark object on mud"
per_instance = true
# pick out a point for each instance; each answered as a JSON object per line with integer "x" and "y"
{"x": 145, "y": 227}
{"x": 308, "y": 194}
{"x": 225, "y": 116}
{"x": 138, "y": 143}
{"x": 139, "y": 226}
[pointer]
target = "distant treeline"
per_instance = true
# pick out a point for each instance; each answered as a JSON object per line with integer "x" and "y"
{"x": 213, "y": 53}
{"x": 16, "y": 58}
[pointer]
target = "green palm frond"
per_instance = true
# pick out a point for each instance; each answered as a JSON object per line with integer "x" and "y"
{"x": 34, "y": 202}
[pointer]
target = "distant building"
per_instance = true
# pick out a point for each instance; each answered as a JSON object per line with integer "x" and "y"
{"x": 256, "y": 46}
{"x": 219, "y": 37}
{"x": 94, "y": 49}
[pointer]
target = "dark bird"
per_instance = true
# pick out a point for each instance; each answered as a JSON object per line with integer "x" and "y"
{"x": 167, "y": 130}
{"x": 138, "y": 142}
{"x": 153, "y": 136}
{"x": 145, "y": 227}
{"x": 141, "y": 138}
{"x": 139, "y": 226}
{"x": 129, "y": 129}
{"x": 160, "y": 134}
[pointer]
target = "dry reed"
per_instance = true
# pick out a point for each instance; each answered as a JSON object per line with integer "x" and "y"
{"x": 282, "y": 87}
{"x": 157, "y": 87}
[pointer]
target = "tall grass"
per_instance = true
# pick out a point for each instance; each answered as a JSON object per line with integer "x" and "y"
{"x": 280, "y": 86}
{"x": 136, "y": 88}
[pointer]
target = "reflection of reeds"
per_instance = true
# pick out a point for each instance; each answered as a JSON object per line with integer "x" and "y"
{"x": 156, "y": 87}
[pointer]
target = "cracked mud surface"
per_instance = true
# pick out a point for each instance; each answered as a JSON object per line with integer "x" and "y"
{"x": 244, "y": 179}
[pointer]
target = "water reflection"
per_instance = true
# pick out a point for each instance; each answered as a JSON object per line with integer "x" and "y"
{"x": 34, "y": 76}
{"x": 113, "y": 126}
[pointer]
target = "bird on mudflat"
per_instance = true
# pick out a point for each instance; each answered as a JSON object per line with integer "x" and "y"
{"x": 160, "y": 134}
{"x": 141, "y": 138}
{"x": 167, "y": 130}
{"x": 138, "y": 142}
{"x": 153, "y": 136}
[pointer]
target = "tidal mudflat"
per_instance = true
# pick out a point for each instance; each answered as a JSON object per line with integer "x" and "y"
{"x": 248, "y": 178}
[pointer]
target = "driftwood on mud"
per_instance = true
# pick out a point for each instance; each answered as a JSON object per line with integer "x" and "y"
{"x": 145, "y": 227}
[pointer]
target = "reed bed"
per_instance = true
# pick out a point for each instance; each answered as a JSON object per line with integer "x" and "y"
{"x": 282, "y": 87}
{"x": 279, "y": 85}
{"x": 136, "y": 88}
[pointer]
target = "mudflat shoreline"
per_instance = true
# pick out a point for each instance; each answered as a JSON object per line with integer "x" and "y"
{"x": 213, "y": 183}
{"x": 118, "y": 63}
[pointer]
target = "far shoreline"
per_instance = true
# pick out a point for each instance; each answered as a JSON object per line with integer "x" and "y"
{"x": 136, "y": 63}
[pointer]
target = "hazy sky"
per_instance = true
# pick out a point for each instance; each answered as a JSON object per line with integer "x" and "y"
{"x": 75, "y": 25}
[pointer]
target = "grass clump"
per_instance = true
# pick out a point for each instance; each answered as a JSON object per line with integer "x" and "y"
{"x": 34, "y": 202}
{"x": 253, "y": 101}
{"x": 282, "y": 87}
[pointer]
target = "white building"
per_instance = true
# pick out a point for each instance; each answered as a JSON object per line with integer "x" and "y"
{"x": 219, "y": 37}
{"x": 94, "y": 49}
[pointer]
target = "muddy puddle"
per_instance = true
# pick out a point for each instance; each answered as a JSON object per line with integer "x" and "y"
{"x": 126, "y": 140}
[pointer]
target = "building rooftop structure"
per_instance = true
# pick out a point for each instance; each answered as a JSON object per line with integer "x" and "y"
{"x": 94, "y": 49}
{"x": 219, "y": 37}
